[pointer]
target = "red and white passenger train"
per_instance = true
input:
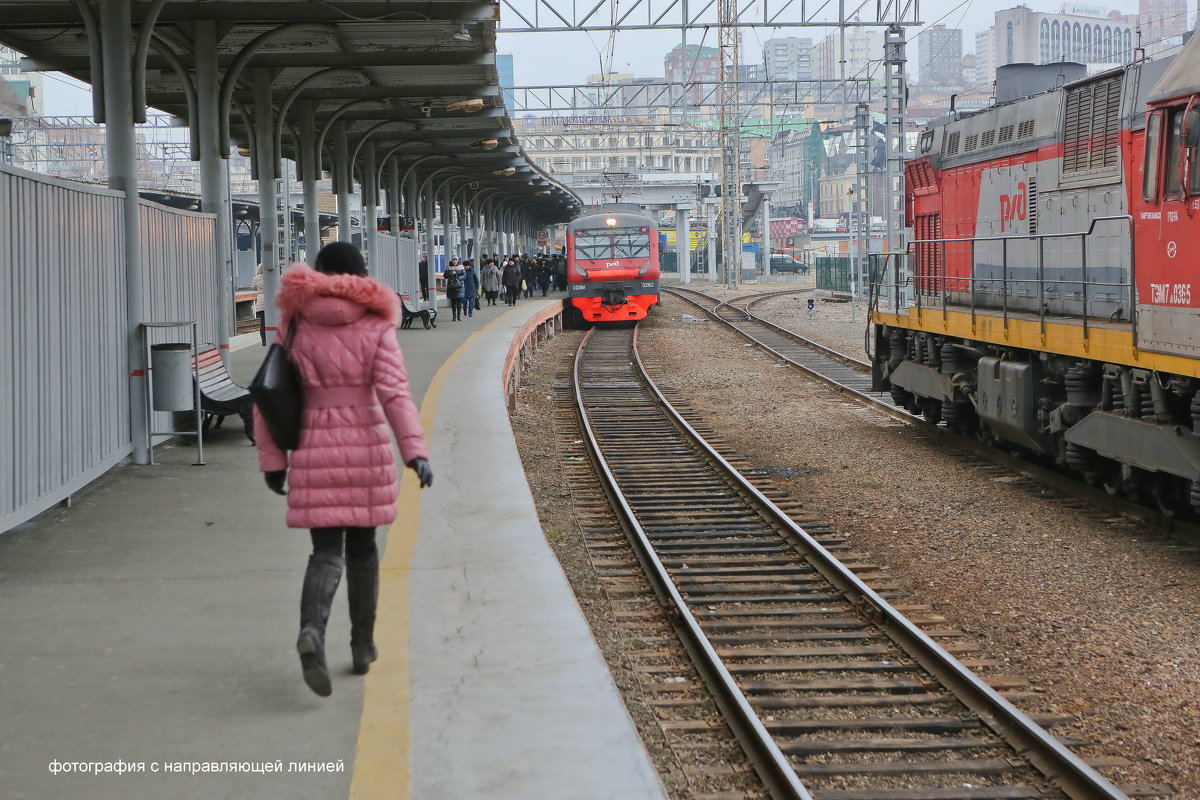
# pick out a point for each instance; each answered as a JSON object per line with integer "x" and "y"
{"x": 1050, "y": 298}
{"x": 612, "y": 267}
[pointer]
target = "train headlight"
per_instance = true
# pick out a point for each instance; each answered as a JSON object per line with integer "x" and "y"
{"x": 611, "y": 222}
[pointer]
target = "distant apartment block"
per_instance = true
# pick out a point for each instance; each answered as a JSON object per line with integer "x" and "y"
{"x": 940, "y": 57}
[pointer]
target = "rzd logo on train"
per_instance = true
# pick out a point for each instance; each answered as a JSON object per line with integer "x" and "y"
{"x": 1013, "y": 207}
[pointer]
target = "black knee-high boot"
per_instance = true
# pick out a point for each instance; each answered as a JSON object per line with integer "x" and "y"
{"x": 320, "y": 583}
{"x": 362, "y": 591}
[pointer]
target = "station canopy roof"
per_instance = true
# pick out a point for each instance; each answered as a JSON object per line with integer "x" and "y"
{"x": 416, "y": 78}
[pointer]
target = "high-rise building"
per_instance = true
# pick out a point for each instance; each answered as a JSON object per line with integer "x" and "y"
{"x": 788, "y": 58}
{"x": 985, "y": 73}
{"x": 785, "y": 59}
{"x": 504, "y": 66}
{"x": 939, "y": 56}
{"x": 1161, "y": 20}
{"x": 862, "y": 45}
{"x": 1081, "y": 33}
{"x": 692, "y": 63}
{"x": 20, "y": 92}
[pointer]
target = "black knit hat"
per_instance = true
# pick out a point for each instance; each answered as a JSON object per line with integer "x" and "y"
{"x": 341, "y": 258}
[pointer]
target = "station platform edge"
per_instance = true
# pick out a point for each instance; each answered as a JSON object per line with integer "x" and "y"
{"x": 153, "y": 622}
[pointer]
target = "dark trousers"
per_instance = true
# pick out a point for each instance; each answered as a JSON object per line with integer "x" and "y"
{"x": 491, "y": 297}
{"x": 511, "y": 294}
{"x": 359, "y": 542}
{"x": 262, "y": 326}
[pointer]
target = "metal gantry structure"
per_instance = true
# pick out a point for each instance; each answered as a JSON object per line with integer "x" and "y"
{"x": 610, "y": 16}
{"x": 663, "y": 95}
{"x": 520, "y": 16}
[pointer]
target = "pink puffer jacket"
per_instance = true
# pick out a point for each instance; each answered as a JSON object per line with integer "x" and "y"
{"x": 343, "y": 473}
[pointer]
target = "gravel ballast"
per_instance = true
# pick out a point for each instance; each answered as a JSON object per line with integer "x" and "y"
{"x": 1100, "y": 616}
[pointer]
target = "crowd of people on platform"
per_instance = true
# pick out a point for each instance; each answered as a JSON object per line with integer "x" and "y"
{"x": 470, "y": 285}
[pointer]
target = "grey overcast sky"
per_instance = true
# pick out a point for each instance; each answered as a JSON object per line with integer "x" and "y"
{"x": 541, "y": 59}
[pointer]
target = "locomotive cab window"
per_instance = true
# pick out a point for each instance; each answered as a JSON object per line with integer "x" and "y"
{"x": 1150, "y": 166}
{"x": 1192, "y": 132}
{"x": 612, "y": 244}
{"x": 1173, "y": 166}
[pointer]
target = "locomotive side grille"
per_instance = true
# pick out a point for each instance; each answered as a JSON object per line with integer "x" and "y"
{"x": 1110, "y": 104}
{"x": 971, "y": 143}
{"x": 1006, "y": 132}
{"x": 928, "y": 253}
{"x": 1090, "y": 126}
{"x": 950, "y": 144}
{"x": 1031, "y": 187}
{"x": 1025, "y": 129}
{"x": 989, "y": 139}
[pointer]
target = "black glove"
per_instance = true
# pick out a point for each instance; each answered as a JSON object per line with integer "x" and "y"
{"x": 275, "y": 480}
{"x": 423, "y": 470}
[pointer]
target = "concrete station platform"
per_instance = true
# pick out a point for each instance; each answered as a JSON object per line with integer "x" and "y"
{"x": 153, "y": 622}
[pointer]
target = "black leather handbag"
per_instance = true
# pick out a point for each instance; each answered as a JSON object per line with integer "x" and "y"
{"x": 278, "y": 394}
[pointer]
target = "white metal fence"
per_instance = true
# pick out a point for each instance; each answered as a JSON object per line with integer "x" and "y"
{"x": 178, "y": 256}
{"x": 395, "y": 263}
{"x": 64, "y": 395}
{"x": 64, "y": 400}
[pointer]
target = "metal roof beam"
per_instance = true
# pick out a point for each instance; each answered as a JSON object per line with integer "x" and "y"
{"x": 33, "y": 15}
{"x": 314, "y": 60}
{"x": 547, "y": 16}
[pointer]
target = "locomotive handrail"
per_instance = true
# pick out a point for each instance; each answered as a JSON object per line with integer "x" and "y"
{"x": 1039, "y": 239}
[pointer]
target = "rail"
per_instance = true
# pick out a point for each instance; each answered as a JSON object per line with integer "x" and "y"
{"x": 617, "y": 391}
{"x": 940, "y": 285}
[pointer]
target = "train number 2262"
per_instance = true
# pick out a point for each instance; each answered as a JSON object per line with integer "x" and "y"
{"x": 1171, "y": 294}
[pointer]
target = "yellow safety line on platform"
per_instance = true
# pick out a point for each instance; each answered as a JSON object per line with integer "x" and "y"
{"x": 381, "y": 768}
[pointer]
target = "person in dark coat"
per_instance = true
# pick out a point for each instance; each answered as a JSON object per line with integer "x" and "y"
{"x": 423, "y": 277}
{"x": 560, "y": 272}
{"x": 512, "y": 282}
{"x": 470, "y": 287}
{"x": 454, "y": 288}
{"x": 527, "y": 276}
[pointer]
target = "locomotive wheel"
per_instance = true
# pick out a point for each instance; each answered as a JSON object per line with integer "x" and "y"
{"x": 931, "y": 410}
{"x": 1170, "y": 494}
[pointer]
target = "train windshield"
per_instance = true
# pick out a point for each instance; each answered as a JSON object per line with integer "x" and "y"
{"x": 612, "y": 243}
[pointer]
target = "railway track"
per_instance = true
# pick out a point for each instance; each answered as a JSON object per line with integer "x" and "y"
{"x": 851, "y": 377}
{"x": 834, "y": 694}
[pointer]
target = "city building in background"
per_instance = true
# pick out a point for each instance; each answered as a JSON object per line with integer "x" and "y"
{"x": 788, "y": 58}
{"x": 617, "y": 144}
{"x": 984, "y": 72}
{"x": 1162, "y": 23}
{"x": 940, "y": 57}
{"x": 504, "y": 66}
{"x": 1082, "y": 33}
{"x": 20, "y": 92}
{"x": 686, "y": 64}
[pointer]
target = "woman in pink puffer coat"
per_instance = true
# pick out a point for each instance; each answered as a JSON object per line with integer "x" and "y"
{"x": 342, "y": 478}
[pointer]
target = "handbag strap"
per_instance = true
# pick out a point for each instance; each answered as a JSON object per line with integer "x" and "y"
{"x": 292, "y": 324}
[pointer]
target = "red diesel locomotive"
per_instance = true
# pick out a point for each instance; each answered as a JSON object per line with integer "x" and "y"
{"x": 612, "y": 267}
{"x": 1047, "y": 299}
